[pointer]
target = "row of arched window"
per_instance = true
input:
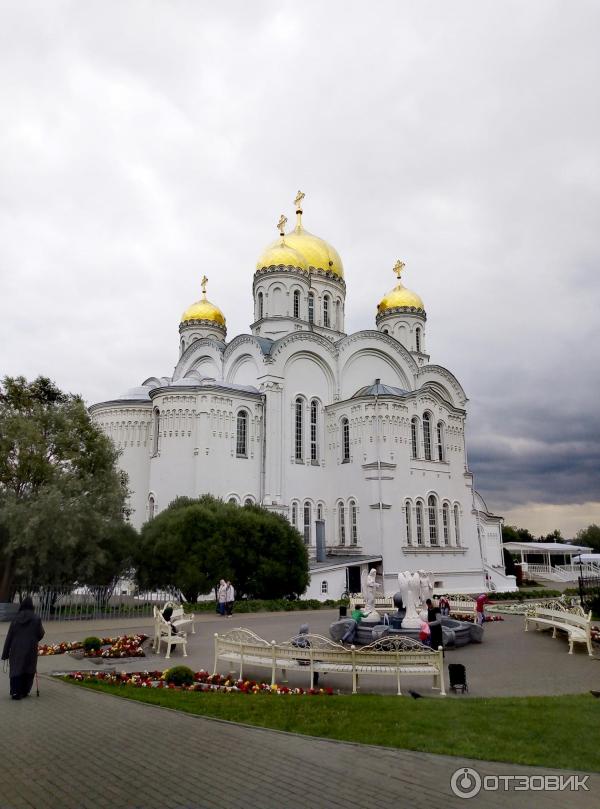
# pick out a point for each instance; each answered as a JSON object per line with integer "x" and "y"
{"x": 314, "y": 416}
{"x": 241, "y": 436}
{"x": 427, "y": 441}
{"x": 427, "y": 524}
{"x": 234, "y": 500}
{"x": 331, "y": 313}
{"x": 418, "y": 341}
{"x": 301, "y": 517}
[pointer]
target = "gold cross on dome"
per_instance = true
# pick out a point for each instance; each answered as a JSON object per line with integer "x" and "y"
{"x": 298, "y": 201}
{"x": 398, "y": 267}
{"x": 203, "y": 283}
{"x": 281, "y": 224}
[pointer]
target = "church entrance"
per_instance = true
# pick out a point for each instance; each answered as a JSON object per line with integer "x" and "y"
{"x": 353, "y": 578}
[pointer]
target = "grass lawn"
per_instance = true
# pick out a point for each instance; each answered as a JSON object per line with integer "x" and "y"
{"x": 545, "y": 731}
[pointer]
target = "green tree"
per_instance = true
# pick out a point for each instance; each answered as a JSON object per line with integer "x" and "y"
{"x": 62, "y": 499}
{"x": 589, "y": 536}
{"x": 510, "y": 533}
{"x": 194, "y": 543}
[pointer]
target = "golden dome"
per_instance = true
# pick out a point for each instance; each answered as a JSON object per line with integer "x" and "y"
{"x": 307, "y": 251}
{"x": 280, "y": 253}
{"x": 204, "y": 309}
{"x": 400, "y": 296}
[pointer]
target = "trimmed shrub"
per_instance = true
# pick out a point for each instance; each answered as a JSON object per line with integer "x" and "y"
{"x": 179, "y": 675}
{"x": 92, "y": 644}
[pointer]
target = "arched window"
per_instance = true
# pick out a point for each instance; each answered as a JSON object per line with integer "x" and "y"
{"x": 324, "y": 587}
{"x": 307, "y": 522}
{"x": 241, "y": 443}
{"x": 338, "y": 315}
{"x": 414, "y": 437}
{"x": 433, "y": 521}
{"x": 353, "y": 522}
{"x": 385, "y": 331}
{"x": 326, "y": 311}
{"x": 156, "y": 433}
{"x": 182, "y": 346}
{"x": 151, "y": 506}
{"x": 419, "y": 516}
{"x": 446, "y": 523}
{"x": 408, "y": 517}
{"x": 248, "y": 501}
{"x": 294, "y": 517}
{"x": 311, "y": 307}
{"x": 299, "y": 430}
{"x": 418, "y": 338}
{"x": 233, "y": 501}
{"x": 261, "y": 305}
{"x": 342, "y": 523}
{"x": 457, "y": 525}
{"x": 319, "y": 511}
{"x": 440, "y": 441}
{"x": 314, "y": 418}
{"x": 296, "y": 303}
{"x": 427, "y": 436}
{"x": 345, "y": 440}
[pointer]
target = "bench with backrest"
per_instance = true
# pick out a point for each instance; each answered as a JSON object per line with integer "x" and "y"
{"x": 556, "y": 616}
{"x": 180, "y": 618}
{"x": 164, "y": 633}
{"x": 395, "y": 656}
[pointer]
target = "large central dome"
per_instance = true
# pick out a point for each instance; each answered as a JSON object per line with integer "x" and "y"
{"x": 304, "y": 250}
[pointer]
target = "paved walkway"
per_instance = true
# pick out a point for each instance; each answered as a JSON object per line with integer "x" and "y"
{"x": 510, "y": 662}
{"x": 76, "y": 749}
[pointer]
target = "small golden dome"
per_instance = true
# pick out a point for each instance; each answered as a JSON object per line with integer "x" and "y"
{"x": 204, "y": 309}
{"x": 279, "y": 254}
{"x": 301, "y": 249}
{"x": 400, "y": 296}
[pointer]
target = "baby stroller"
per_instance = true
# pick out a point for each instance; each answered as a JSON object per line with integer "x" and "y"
{"x": 458, "y": 677}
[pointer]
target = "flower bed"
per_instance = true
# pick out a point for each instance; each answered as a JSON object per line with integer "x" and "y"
{"x": 203, "y": 682}
{"x": 469, "y": 616}
{"x": 123, "y": 646}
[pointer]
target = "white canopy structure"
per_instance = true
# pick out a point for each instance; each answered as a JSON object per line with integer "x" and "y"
{"x": 548, "y": 569}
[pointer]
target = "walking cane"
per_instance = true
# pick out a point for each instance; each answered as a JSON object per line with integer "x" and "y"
{"x": 37, "y": 685}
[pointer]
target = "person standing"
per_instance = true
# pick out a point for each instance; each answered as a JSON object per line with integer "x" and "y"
{"x": 21, "y": 649}
{"x": 222, "y": 596}
{"x": 479, "y": 607}
{"x": 229, "y": 598}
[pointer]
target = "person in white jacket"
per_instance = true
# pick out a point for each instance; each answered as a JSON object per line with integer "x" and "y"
{"x": 222, "y": 596}
{"x": 229, "y": 598}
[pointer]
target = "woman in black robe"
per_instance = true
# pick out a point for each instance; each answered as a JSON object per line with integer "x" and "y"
{"x": 21, "y": 649}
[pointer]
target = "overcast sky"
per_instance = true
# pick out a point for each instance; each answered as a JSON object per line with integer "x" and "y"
{"x": 143, "y": 144}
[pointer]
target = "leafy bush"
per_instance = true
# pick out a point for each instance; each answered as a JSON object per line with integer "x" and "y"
{"x": 92, "y": 644}
{"x": 268, "y": 605}
{"x": 179, "y": 675}
{"x": 522, "y": 595}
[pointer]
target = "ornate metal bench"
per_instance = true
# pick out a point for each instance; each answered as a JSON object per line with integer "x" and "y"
{"x": 572, "y": 620}
{"x": 163, "y": 633}
{"x": 387, "y": 656}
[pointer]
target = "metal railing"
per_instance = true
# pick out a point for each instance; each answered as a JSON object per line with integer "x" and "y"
{"x": 91, "y": 602}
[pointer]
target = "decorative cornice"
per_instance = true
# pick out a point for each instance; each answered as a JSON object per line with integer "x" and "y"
{"x": 203, "y": 324}
{"x": 285, "y": 268}
{"x": 401, "y": 310}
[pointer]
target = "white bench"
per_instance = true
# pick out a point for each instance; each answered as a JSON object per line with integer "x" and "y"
{"x": 164, "y": 633}
{"x": 572, "y": 620}
{"x": 388, "y": 656}
{"x": 180, "y": 618}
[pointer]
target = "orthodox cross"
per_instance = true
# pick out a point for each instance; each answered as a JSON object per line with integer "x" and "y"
{"x": 203, "y": 283}
{"x": 398, "y": 267}
{"x": 298, "y": 200}
{"x": 281, "y": 224}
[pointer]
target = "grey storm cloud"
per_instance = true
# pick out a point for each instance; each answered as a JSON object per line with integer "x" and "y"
{"x": 143, "y": 145}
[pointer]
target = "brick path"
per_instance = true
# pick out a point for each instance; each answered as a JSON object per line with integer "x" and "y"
{"x": 74, "y": 749}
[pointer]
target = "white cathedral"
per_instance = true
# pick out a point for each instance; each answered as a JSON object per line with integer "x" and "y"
{"x": 356, "y": 438}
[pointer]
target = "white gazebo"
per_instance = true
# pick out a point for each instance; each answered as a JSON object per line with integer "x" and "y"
{"x": 550, "y": 551}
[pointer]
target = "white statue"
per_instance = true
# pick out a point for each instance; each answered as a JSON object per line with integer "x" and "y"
{"x": 410, "y": 584}
{"x": 426, "y": 587}
{"x": 369, "y": 585}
